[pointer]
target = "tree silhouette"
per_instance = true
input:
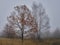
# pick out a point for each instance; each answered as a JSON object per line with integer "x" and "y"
{"x": 22, "y": 18}
{"x": 9, "y": 31}
{"x": 41, "y": 18}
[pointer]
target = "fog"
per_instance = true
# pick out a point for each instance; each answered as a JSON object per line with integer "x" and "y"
{"x": 51, "y": 7}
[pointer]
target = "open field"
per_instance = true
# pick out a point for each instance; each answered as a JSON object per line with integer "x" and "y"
{"x": 5, "y": 41}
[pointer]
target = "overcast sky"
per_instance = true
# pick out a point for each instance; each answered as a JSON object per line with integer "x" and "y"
{"x": 52, "y": 8}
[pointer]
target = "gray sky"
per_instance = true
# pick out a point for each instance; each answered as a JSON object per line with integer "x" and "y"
{"x": 52, "y": 8}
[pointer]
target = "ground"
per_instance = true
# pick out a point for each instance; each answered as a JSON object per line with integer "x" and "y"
{"x": 6, "y": 41}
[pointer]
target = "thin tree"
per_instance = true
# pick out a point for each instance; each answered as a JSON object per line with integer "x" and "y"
{"x": 42, "y": 19}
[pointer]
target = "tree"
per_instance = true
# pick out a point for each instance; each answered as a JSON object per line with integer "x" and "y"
{"x": 56, "y": 33}
{"x": 21, "y": 18}
{"x": 9, "y": 31}
{"x": 42, "y": 19}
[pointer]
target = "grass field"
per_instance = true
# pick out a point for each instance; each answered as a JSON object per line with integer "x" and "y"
{"x": 6, "y": 41}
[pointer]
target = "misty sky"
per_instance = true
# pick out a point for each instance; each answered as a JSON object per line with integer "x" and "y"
{"x": 52, "y": 8}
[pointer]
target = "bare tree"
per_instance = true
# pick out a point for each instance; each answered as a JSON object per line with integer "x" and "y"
{"x": 21, "y": 19}
{"x": 9, "y": 31}
{"x": 56, "y": 33}
{"x": 42, "y": 19}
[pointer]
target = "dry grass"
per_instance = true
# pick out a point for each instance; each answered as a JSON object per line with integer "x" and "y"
{"x": 5, "y": 41}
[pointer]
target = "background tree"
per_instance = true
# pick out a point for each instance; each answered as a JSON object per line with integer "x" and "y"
{"x": 9, "y": 31}
{"x": 56, "y": 33}
{"x": 42, "y": 19}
